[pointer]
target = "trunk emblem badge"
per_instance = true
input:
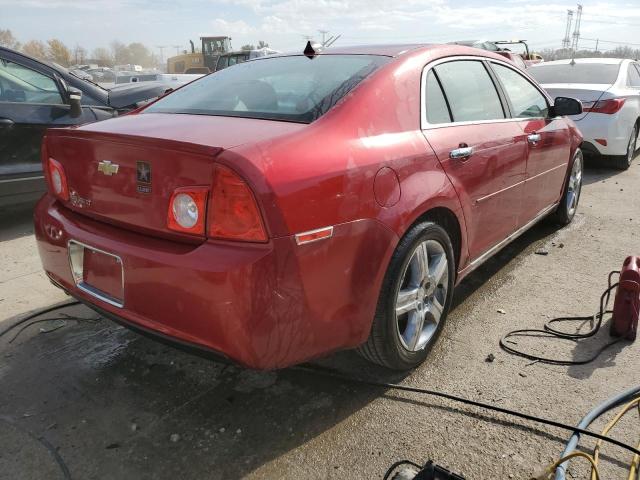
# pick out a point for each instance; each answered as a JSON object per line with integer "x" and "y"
{"x": 143, "y": 172}
{"x": 108, "y": 168}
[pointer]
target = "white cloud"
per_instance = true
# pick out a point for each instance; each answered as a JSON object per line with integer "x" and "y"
{"x": 231, "y": 28}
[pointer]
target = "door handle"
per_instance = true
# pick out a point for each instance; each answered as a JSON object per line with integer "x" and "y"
{"x": 5, "y": 122}
{"x": 461, "y": 153}
{"x": 534, "y": 138}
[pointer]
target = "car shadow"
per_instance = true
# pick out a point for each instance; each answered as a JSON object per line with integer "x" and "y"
{"x": 118, "y": 404}
{"x": 598, "y": 170}
{"x": 16, "y": 221}
{"x": 503, "y": 261}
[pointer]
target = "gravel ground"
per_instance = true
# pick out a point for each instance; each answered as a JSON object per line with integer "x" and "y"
{"x": 102, "y": 402}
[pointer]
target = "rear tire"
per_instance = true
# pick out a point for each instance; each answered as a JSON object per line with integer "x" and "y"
{"x": 414, "y": 299}
{"x": 571, "y": 196}
{"x": 623, "y": 162}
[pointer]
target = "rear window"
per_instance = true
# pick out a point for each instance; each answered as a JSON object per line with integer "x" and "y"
{"x": 577, "y": 73}
{"x": 295, "y": 88}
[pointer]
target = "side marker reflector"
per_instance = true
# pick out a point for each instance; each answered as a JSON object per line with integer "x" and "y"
{"x": 314, "y": 235}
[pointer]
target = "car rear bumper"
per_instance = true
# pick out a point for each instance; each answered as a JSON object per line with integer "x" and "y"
{"x": 262, "y": 305}
{"x": 605, "y": 127}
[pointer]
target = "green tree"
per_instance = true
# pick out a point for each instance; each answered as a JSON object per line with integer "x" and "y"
{"x": 58, "y": 52}
{"x": 8, "y": 40}
{"x": 35, "y": 48}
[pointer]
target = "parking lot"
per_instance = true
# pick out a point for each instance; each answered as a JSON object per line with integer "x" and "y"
{"x": 82, "y": 396}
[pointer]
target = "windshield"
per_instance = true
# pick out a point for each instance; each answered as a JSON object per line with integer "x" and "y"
{"x": 295, "y": 88}
{"x": 602, "y": 73}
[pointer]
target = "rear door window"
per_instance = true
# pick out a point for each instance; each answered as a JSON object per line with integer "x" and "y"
{"x": 470, "y": 91}
{"x": 526, "y": 100}
{"x": 435, "y": 103}
{"x": 634, "y": 76}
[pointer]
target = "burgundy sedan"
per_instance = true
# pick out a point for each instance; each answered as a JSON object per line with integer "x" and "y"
{"x": 296, "y": 205}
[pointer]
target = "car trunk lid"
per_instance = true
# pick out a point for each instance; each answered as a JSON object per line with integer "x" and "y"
{"x": 587, "y": 93}
{"x": 123, "y": 171}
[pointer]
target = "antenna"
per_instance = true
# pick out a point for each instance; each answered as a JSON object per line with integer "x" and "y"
{"x": 332, "y": 40}
{"x": 566, "y": 41}
{"x": 324, "y": 36}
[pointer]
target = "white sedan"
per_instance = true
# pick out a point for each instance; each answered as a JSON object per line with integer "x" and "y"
{"x": 609, "y": 89}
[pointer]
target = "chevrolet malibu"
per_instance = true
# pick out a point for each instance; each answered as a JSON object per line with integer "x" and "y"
{"x": 296, "y": 205}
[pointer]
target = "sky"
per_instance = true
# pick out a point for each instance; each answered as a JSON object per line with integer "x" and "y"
{"x": 285, "y": 23}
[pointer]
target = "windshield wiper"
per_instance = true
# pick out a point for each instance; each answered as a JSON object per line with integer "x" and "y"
{"x": 88, "y": 81}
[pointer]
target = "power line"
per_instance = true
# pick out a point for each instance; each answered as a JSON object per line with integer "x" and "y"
{"x": 611, "y": 41}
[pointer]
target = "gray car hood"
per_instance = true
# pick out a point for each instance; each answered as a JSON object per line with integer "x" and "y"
{"x": 127, "y": 95}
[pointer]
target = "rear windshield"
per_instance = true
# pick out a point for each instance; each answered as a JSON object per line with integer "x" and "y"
{"x": 576, "y": 73}
{"x": 295, "y": 88}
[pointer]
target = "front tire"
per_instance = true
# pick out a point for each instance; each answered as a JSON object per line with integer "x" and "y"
{"x": 571, "y": 196}
{"x": 623, "y": 162}
{"x": 414, "y": 299}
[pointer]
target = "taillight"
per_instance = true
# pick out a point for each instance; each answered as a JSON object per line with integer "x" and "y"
{"x": 608, "y": 107}
{"x": 187, "y": 210}
{"x": 58, "y": 180}
{"x": 233, "y": 211}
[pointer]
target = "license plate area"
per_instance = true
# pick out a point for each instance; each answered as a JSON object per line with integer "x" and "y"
{"x": 98, "y": 273}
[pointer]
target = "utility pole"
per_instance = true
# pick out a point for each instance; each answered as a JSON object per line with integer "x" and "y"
{"x": 566, "y": 41}
{"x": 576, "y": 31}
{"x": 597, "y": 41}
{"x": 161, "y": 48}
{"x": 177, "y": 47}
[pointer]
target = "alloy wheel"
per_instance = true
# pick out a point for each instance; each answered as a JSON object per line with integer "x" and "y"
{"x": 422, "y": 295}
{"x": 574, "y": 187}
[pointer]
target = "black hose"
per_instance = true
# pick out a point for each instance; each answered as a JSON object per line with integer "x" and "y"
{"x": 455, "y": 398}
{"x": 37, "y": 313}
{"x": 550, "y": 332}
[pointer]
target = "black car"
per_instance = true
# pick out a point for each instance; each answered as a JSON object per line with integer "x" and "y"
{"x": 35, "y": 95}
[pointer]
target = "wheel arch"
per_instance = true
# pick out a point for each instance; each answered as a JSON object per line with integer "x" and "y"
{"x": 448, "y": 220}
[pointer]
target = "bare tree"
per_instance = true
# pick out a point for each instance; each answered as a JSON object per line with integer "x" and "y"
{"x": 140, "y": 55}
{"x": 248, "y": 46}
{"x": 263, "y": 44}
{"x": 58, "y": 52}
{"x": 79, "y": 54}
{"x": 35, "y": 48}
{"x": 103, "y": 57}
{"x": 8, "y": 40}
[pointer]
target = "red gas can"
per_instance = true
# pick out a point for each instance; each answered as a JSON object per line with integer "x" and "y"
{"x": 627, "y": 303}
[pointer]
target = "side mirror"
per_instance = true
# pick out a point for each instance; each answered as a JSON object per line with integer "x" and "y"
{"x": 75, "y": 101}
{"x": 563, "y": 106}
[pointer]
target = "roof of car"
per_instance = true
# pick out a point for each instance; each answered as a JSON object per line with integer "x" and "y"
{"x": 610, "y": 61}
{"x": 389, "y": 50}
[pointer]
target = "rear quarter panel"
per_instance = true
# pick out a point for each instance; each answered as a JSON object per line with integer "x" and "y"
{"x": 324, "y": 174}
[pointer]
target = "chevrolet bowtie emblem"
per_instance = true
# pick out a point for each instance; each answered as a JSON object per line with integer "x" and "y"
{"x": 108, "y": 168}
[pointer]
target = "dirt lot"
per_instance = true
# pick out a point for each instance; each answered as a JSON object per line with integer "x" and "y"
{"x": 103, "y": 402}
